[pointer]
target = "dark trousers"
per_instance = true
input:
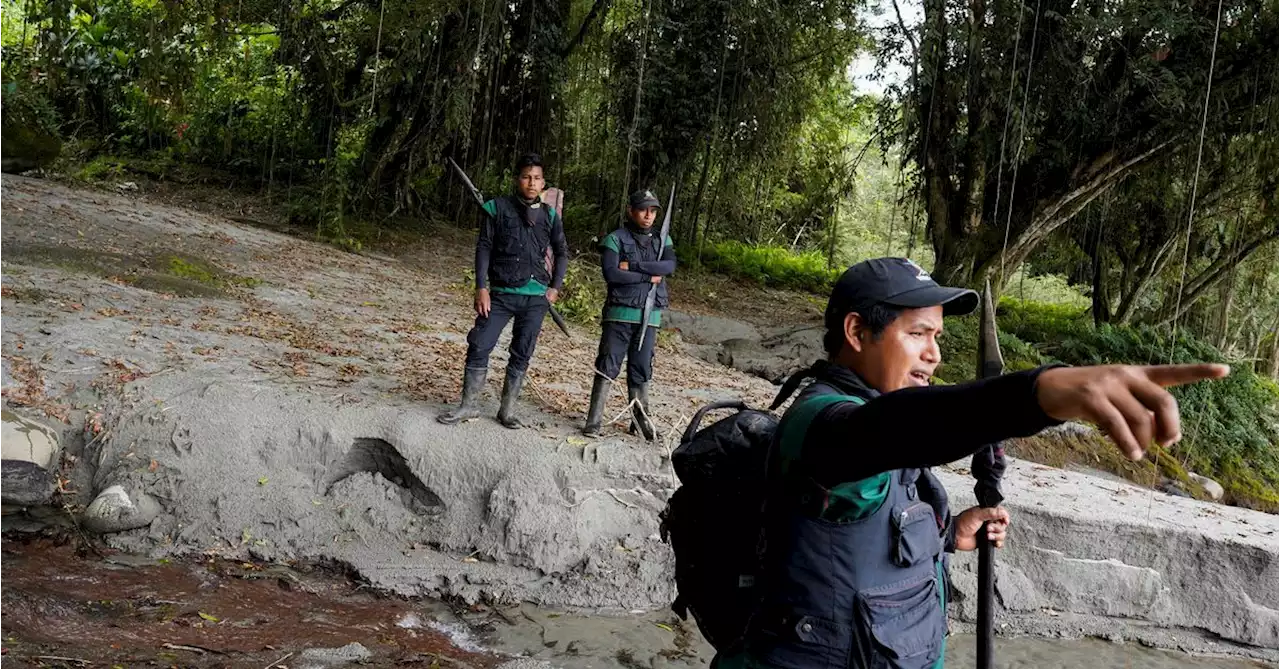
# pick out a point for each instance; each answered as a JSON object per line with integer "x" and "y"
{"x": 616, "y": 342}
{"x": 528, "y": 312}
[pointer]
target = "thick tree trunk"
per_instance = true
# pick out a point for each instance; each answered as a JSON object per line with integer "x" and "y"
{"x": 1101, "y": 296}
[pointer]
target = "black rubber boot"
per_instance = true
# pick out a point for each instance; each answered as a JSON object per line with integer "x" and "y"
{"x": 472, "y": 386}
{"x": 599, "y": 395}
{"x": 639, "y": 394}
{"x": 510, "y": 392}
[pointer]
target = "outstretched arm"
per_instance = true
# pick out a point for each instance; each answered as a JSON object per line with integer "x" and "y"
{"x": 925, "y": 427}
{"x": 920, "y": 427}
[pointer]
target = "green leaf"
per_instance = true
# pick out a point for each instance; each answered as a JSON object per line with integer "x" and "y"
{"x": 208, "y": 617}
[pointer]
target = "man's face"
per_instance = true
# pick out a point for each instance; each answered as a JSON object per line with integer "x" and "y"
{"x": 529, "y": 182}
{"x": 643, "y": 217}
{"x": 904, "y": 355}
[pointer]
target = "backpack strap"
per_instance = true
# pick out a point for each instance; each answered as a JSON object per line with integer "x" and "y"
{"x": 793, "y": 382}
{"x": 714, "y": 406}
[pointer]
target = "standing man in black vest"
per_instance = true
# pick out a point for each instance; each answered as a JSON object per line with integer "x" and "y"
{"x": 633, "y": 259}
{"x": 513, "y": 281}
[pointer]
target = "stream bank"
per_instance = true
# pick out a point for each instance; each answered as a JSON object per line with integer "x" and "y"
{"x": 205, "y": 388}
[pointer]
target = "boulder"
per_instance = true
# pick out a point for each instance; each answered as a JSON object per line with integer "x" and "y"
{"x": 1210, "y": 486}
{"x": 27, "y": 144}
{"x": 333, "y": 657}
{"x": 115, "y": 510}
{"x": 30, "y": 450}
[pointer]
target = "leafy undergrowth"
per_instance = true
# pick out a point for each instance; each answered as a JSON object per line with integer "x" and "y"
{"x": 1093, "y": 451}
{"x": 773, "y": 266}
{"x": 1229, "y": 426}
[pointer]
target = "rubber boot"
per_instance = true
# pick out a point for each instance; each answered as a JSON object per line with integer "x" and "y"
{"x": 472, "y": 386}
{"x": 510, "y": 392}
{"x": 599, "y": 395}
{"x": 639, "y": 393}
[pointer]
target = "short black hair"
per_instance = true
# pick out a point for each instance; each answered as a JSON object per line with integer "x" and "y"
{"x": 527, "y": 160}
{"x": 876, "y": 319}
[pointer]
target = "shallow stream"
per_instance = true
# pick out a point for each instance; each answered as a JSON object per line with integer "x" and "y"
{"x": 68, "y": 608}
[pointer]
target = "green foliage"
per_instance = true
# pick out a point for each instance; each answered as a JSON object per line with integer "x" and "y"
{"x": 582, "y": 298}
{"x": 959, "y": 345}
{"x": 1046, "y": 288}
{"x": 772, "y": 266}
{"x": 29, "y": 125}
{"x": 1229, "y": 425}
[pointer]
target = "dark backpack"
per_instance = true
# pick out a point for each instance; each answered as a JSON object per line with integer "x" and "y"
{"x": 714, "y": 521}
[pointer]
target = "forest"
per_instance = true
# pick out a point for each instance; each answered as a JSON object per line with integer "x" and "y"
{"x": 1109, "y": 167}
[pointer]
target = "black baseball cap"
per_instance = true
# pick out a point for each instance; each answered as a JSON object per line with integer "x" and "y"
{"x": 895, "y": 282}
{"x": 643, "y": 199}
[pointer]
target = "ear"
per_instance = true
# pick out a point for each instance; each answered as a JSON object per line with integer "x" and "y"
{"x": 854, "y": 331}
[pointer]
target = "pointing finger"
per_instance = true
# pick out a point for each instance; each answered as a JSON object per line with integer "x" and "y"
{"x": 1177, "y": 375}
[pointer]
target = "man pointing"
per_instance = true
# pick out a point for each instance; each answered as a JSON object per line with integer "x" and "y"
{"x": 858, "y": 528}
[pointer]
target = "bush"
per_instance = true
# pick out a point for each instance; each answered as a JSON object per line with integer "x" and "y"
{"x": 29, "y": 127}
{"x": 582, "y": 299}
{"x": 772, "y": 266}
{"x": 1229, "y": 426}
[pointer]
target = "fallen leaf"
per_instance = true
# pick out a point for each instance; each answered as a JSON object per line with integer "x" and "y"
{"x": 153, "y": 466}
{"x": 665, "y": 627}
{"x": 208, "y": 617}
{"x": 262, "y": 481}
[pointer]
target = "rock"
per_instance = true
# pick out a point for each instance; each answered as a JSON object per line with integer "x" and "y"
{"x": 115, "y": 510}
{"x": 26, "y": 145}
{"x": 29, "y": 452}
{"x": 773, "y": 358}
{"x": 1211, "y": 487}
{"x": 332, "y": 657}
{"x": 526, "y": 663}
{"x": 1172, "y": 487}
{"x": 700, "y": 329}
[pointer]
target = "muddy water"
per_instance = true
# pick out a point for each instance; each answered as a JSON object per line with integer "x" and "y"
{"x": 655, "y": 640}
{"x": 63, "y": 609}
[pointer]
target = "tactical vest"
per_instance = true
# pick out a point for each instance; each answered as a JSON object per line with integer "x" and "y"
{"x": 519, "y": 251}
{"x": 633, "y": 248}
{"x": 864, "y": 594}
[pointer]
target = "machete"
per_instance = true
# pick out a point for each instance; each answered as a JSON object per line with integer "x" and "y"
{"x": 479, "y": 198}
{"x": 988, "y": 468}
{"x": 653, "y": 287}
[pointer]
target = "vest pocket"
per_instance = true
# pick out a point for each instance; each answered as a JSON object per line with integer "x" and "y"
{"x": 509, "y": 228}
{"x": 915, "y": 534}
{"x": 802, "y": 642}
{"x": 906, "y": 623}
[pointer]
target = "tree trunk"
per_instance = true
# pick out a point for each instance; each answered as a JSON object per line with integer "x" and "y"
{"x": 1145, "y": 275}
{"x": 1101, "y": 296}
{"x": 1223, "y": 324}
{"x": 1274, "y": 357}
